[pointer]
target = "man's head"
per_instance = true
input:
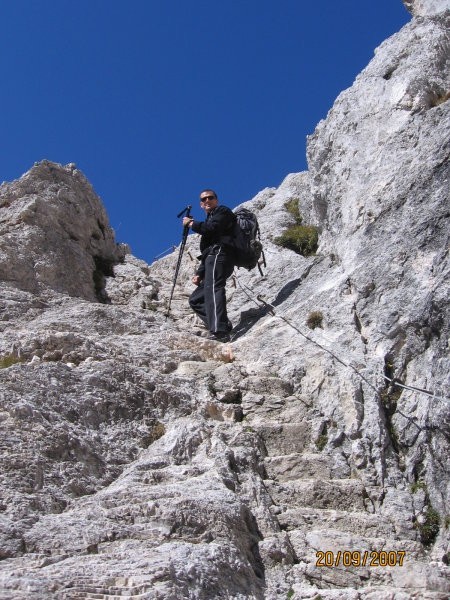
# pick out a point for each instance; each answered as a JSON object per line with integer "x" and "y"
{"x": 208, "y": 200}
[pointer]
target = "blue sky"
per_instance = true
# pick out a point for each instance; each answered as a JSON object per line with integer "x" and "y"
{"x": 155, "y": 100}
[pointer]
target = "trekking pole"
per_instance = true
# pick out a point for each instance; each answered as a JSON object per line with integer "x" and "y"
{"x": 186, "y": 212}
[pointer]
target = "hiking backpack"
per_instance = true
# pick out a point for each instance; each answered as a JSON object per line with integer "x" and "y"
{"x": 247, "y": 241}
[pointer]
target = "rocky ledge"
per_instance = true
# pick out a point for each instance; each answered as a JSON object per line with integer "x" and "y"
{"x": 308, "y": 458}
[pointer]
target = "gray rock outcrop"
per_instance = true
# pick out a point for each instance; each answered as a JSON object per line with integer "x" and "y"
{"x": 309, "y": 457}
{"x": 55, "y": 233}
{"x": 426, "y": 8}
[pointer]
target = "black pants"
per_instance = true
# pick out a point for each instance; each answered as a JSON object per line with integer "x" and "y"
{"x": 209, "y": 300}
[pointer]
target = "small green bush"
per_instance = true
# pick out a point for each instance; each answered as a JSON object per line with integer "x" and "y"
{"x": 429, "y": 530}
{"x": 9, "y": 360}
{"x": 293, "y": 209}
{"x": 321, "y": 442}
{"x": 302, "y": 239}
{"x": 152, "y": 306}
{"x": 315, "y": 319}
{"x": 419, "y": 485}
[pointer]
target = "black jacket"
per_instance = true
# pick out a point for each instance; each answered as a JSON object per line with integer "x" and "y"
{"x": 217, "y": 229}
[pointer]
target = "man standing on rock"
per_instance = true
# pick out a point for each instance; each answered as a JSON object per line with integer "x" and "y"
{"x": 208, "y": 300}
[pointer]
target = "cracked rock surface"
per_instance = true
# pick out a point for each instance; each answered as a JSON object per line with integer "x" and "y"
{"x": 141, "y": 460}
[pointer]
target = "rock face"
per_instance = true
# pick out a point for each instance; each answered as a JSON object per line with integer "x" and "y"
{"x": 55, "y": 233}
{"x": 426, "y": 8}
{"x": 140, "y": 460}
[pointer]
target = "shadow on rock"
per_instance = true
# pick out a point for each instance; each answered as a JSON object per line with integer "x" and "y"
{"x": 250, "y": 317}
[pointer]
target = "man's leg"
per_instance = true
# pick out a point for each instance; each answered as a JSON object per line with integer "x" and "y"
{"x": 218, "y": 267}
{"x": 197, "y": 303}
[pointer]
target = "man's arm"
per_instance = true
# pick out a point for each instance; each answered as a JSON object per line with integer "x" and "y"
{"x": 219, "y": 222}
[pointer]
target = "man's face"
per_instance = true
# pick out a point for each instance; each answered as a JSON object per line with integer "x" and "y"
{"x": 208, "y": 201}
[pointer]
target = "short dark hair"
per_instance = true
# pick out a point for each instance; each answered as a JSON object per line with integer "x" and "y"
{"x": 208, "y": 190}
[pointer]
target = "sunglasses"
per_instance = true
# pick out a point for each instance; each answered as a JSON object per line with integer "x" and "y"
{"x": 207, "y": 198}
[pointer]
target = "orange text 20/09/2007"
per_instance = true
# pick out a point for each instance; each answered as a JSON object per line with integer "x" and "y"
{"x": 360, "y": 558}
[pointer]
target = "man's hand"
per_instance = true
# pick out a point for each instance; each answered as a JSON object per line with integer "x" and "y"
{"x": 196, "y": 280}
{"x": 187, "y": 221}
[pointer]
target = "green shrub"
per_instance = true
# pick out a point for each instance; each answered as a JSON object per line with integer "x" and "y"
{"x": 314, "y": 319}
{"x": 9, "y": 360}
{"x": 419, "y": 485}
{"x": 321, "y": 442}
{"x": 302, "y": 239}
{"x": 293, "y": 209}
{"x": 430, "y": 528}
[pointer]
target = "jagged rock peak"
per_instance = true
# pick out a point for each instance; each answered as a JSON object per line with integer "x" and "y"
{"x": 55, "y": 233}
{"x": 426, "y": 8}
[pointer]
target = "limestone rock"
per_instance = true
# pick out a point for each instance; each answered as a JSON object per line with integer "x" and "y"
{"x": 142, "y": 460}
{"x": 55, "y": 233}
{"x": 426, "y": 8}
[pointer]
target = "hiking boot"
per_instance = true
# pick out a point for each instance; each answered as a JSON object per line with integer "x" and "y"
{"x": 220, "y": 336}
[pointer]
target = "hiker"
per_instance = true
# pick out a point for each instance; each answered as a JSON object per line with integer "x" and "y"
{"x": 208, "y": 300}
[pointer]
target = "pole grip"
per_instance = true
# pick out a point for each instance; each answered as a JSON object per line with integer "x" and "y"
{"x": 186, "y": 211}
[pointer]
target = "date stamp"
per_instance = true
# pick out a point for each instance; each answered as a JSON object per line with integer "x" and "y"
{"x": 360, "y": 558}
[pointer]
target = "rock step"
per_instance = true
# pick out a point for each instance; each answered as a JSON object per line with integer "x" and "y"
{"x": 75, "y": 594}
{"x": 268, "y": 385}
{"x": 335, "y": 558}
{"x": 339, "y": 494}
{"x": 366, "y": 524}
{"x": 297, "y": 466}
{"x": 365, "y": 551}
{"x": 411, "y": 574}
{"x": 92, "y": 590}
{"x": 284, "y": 438}
{"x": 264, "y": 406}
{"x": 299, "y": 592}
